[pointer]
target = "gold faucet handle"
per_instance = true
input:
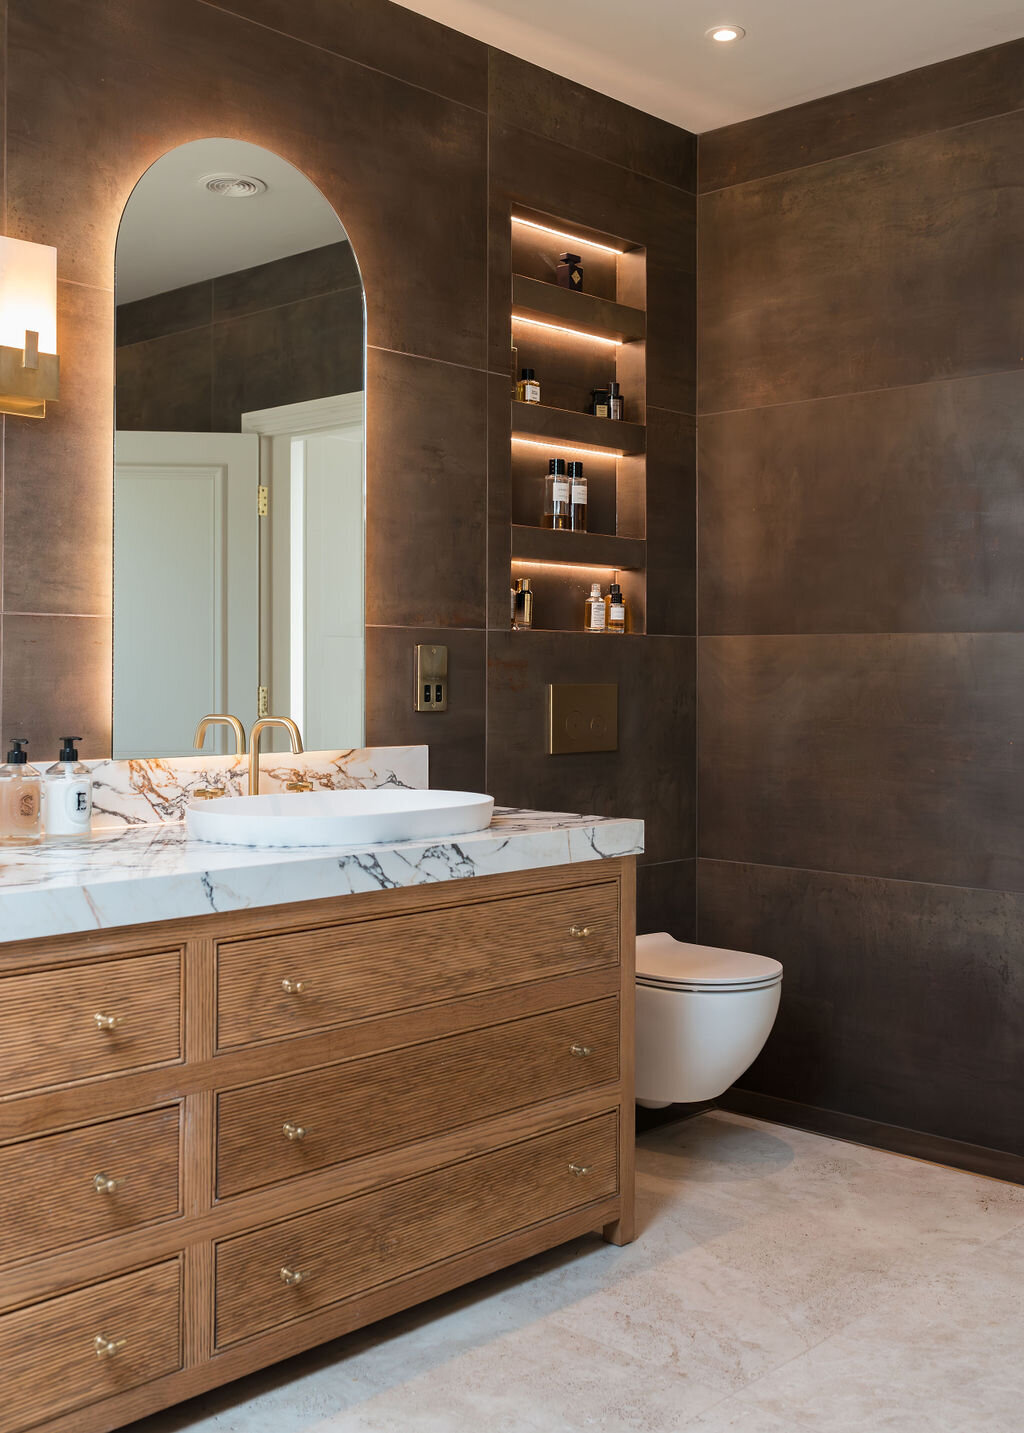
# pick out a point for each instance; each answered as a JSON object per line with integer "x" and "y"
{"x": 207, "y": 793}
{"x": 298, "y": 786}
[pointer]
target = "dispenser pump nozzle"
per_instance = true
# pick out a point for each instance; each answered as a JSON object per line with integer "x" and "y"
{"x": 68, "y": 750}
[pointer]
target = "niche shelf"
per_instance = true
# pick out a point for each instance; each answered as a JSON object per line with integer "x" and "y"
{"x": 577, "y": 342}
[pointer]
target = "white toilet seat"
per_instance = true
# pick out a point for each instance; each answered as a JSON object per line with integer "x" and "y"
{"x": 665, "y": 963}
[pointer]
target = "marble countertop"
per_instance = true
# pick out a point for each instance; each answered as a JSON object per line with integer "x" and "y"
{"x": 155, "y": 872}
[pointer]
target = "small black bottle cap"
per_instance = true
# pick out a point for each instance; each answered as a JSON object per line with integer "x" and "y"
{"x": 68, "y": 751}
{"x": 556, "y": 466}
{"x": 528, "y": 373}
{"x": 616, "y": 590}
{"x": 613, "y": 390}
{"x": 17, "y": 757}
{"x": 576, "y": 470}
{"x": 568, "y": 258}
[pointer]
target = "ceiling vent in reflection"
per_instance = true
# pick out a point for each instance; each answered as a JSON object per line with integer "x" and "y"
{"x": 233, "y": 186}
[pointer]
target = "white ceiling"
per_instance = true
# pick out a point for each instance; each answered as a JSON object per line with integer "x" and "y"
{"x": 175, "y": 232}
{"x": 653, "y": 54}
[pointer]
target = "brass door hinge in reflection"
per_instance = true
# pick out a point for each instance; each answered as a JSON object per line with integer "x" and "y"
{"x": 262, "y": 506}
{"x": 262, "y": 701}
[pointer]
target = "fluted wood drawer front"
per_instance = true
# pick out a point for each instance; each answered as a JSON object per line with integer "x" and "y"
{"x": 78, "y": 1348}
{"x": 293, "y": 1268}
{"x": 63, "y": 1189}
{"x": 59, "y": 1026}
{"x": 306, "y": 980}
{"x": 298, "y": 1123}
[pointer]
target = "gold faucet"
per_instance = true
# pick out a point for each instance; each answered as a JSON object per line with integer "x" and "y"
{"x": 258, "y": 728}
{"x": 207, "y": 793}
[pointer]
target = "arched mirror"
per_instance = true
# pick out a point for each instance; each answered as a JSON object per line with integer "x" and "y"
{"x": 238, "y": 461}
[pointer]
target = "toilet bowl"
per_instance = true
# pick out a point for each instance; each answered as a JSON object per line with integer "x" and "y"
{"x": 702, "y": 1017}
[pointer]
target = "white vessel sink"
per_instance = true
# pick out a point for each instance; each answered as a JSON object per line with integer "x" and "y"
{"x": 338, "y": 818}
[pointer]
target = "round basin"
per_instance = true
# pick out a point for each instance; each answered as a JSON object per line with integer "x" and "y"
{"x": 338, "y": 818}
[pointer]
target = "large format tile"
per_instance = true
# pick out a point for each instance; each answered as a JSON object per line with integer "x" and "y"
{"x": 875, "y": 755}
{"x": 953, "y": 92}
{"x": 58, "y": 495}
{"x": 426, "y": 498}
{"x": 310, "y": 274}
{"x": 666, "y": 899}
{"x": 651, "y": 774}
{"x": 524, "y": 95}
{"x": 883, "y": 512}
{"x": 671, "y": 523}
{"x": 165, "y": 385}
{"x": 939, "y": 1050}
{"x": 892, "y": 267}
{"x": 385, "y": 37}
{"x": 455, "y": 737}
{"x": 175, "y": 70}
{"x": 55, "y": 679}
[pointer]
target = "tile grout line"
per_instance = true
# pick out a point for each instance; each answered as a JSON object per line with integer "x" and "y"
{"x": 863, "y": 876}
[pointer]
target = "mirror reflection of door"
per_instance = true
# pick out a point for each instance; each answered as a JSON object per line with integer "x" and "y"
{"x": 239, "y": 369}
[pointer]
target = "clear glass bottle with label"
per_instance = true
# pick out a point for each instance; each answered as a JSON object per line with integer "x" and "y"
{"x": 616, "y": 609}
{"x": 556, "y": 496}
{"x": 616, "y": 403}
{"x": 523, "y": 620}
{"x": 595, "y": 615}
{"x": 577, "y": 498}
{"x": 20, "y": 797}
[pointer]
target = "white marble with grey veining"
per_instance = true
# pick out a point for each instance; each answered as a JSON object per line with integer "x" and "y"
{"x": 155, "y": 872}
{"x": 135, "y": 793}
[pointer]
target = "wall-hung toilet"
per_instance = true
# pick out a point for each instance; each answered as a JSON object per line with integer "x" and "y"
{"x": 702, "y": 1017}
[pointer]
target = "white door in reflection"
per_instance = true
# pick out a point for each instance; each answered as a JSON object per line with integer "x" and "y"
{"x": 186, "y": 586}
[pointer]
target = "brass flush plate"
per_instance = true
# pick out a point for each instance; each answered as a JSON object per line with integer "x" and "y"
{"x": 583, "y": 716}
{"x": 431, "y": 692}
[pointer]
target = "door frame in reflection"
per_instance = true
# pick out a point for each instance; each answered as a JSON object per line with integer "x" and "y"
{"x": 314, "y": 664}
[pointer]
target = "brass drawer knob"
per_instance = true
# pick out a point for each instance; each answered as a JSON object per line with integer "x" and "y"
{"x": 293, "y": 1132}
{"x": 104, "y": 1184}
{"x": 291, "y": 1277}
{"x": 580, "y": 931}
{"x": 580, "y": 1169}
{"x": 293, "y": 987}
{"x": 107, "y": 1347}
{"x": 581, "y": 1051}
{"x": 107, "y": 1022}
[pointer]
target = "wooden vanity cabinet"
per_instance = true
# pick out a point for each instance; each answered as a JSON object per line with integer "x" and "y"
{"x": 226, "y": 1139}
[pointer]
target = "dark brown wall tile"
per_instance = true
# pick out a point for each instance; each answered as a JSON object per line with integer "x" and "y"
{"x": 559, "y": 109}
{"x": 875, "y": 755}
{"x": 456, "y": 737}
{"x": 58, "y": 474}
{"x": 161, "y": 314}
{"x": 671, "y": 522}
{"x": 901, "y": 1002}
{"x": 55, "y": 677}
{"x": 286, "y": 281}
{"x": 894, "y": 267}
{"x": 386, "y": 37}
{"x": 666, "y": 899}
{"x": 382, "y": 152}
{"x": 426, "y": 500}
{"x": 290, "y": 354}
{"x": 651, "y": 774}
{"x": 880, "y": 512}
{"x": 954, "y": 92}
{"x": 166, "y": 384}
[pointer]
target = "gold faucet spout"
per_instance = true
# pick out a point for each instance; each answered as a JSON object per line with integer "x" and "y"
{"x": 221, "y": 719}
{"x": 258, "y": 728}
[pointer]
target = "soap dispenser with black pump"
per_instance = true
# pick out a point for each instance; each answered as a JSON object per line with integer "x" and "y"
{"x": 67, "y": 794}
{"x": 20, "y": 797}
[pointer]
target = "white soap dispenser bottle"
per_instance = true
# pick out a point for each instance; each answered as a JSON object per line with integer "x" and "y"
{"x": 20, "y": 797}
{"x": 67, "y": 794}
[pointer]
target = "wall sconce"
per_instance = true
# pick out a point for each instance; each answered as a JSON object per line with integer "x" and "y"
{"x": 29, "y": 365}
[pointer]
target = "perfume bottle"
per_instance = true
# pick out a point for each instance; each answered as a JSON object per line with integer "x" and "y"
{"x": 595, "y": 613}
{"x": 528, "y": 389}
{"x": 615, "y": 402}
{"x": 599, "y": 402}
{"x": 523, "y": 620}
{"x": 577, "y": 498}
{"x": 557, "y": 496}
{"x": 569, "y": 272}
{"x": 616, "y": 609}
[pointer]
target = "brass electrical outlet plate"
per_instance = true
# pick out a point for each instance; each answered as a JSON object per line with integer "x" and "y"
{"x": 431, "y": 690}
{"x": 583, "y": 716}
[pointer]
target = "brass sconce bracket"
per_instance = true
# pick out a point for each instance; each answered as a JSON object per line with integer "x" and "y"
{"x": 28, "y": 379}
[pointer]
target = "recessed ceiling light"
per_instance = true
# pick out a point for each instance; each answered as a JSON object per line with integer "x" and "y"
{"x": 724, "y": 33}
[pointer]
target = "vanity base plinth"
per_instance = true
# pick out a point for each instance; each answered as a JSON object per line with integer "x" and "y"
{"x": 498, "y": 1123}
